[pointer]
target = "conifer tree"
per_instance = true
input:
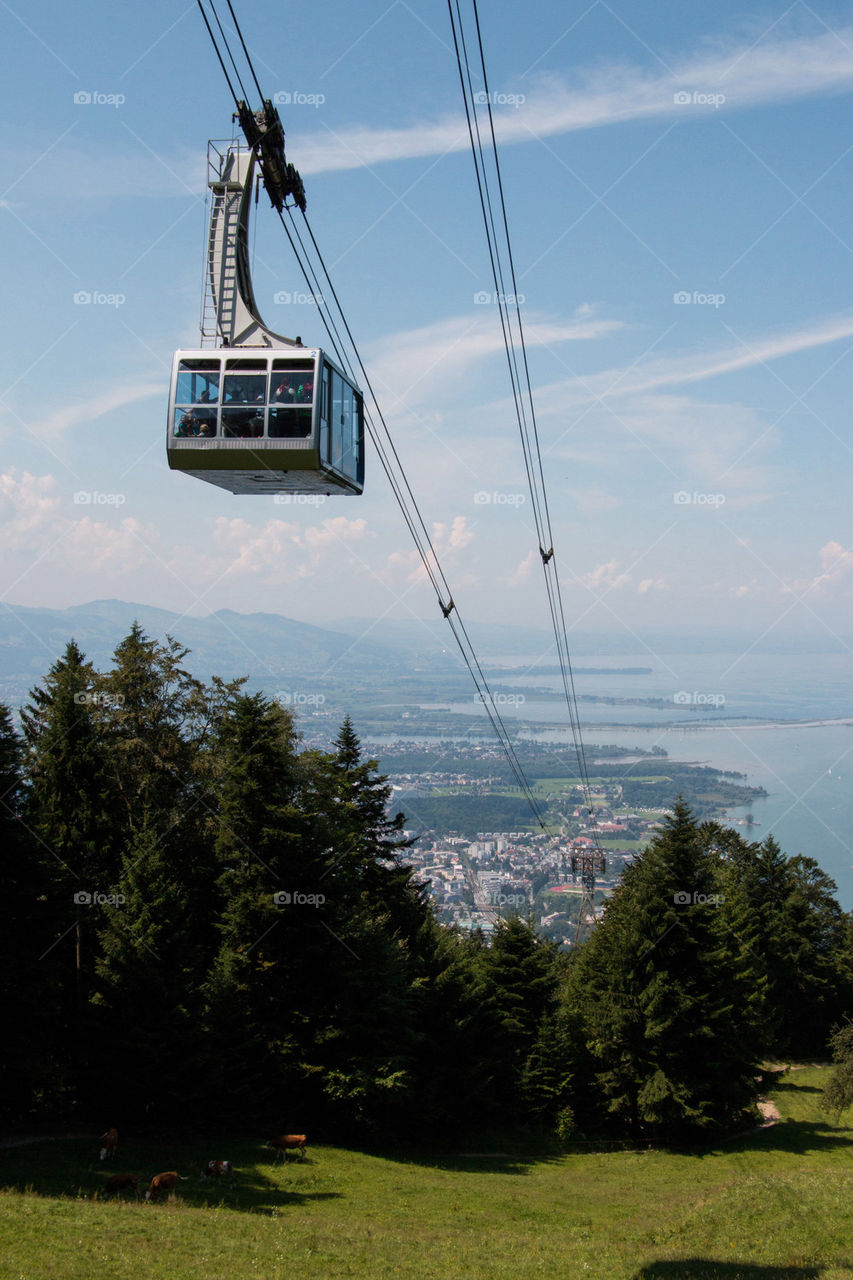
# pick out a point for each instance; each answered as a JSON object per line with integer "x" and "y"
{"x": 522, "y": 967}
{"x": 255, "y": 1008}
{"x": 71, "y": 808}
{"x": 27, "y": 1000}
{"x": 662, "y": 999}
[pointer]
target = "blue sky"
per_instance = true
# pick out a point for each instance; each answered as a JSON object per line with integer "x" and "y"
{"x": 678, "y": 179}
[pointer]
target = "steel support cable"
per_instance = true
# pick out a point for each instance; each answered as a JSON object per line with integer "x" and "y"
{"x": 228, "y": 49}
{"x": 339, "y": 347}
{"x": 501, "y": 292}
{"x": 530, "y": 450}
{"x": 245, "y": 50}
{"x": 392, "y": 464}
{"x": 216, "y": 51}
{"x": 511, "y": 262}
{"x": 407, "y": 503}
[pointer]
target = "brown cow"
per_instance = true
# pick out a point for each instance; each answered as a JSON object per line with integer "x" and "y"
{"x": 288, "y": 1142}
{"x": 164, "y": 1182}
{"x": 122, "y": 1182}
{"x": 218, "y": 1169}
{"x": 110, "y": 1141}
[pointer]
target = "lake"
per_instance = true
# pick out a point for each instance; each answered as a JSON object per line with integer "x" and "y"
{"x": 752, "y": 713}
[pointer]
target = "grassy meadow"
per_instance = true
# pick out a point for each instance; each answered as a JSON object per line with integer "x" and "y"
{"x": 776, "y": 1204}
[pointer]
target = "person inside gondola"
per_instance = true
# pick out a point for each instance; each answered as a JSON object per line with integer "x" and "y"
{"x": 187, "y": 425}
{"x": 285, "y": 390}
{"x": 205, "y": 417}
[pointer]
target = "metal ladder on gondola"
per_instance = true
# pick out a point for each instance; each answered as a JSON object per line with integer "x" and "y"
{"x": 229, "y": 315}
{"x": 220, "y": 271}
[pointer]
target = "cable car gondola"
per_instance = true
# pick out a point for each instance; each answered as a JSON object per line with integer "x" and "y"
{"x": 254, "y": 412}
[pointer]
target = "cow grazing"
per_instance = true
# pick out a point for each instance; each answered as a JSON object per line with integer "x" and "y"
{"x": 110, "y": 1141}
{"x": 163, "y": 1182}
{"x": 218, "y": 1169}
{"x": 288, "y": 1142}
{"x": 122, "y": 1182}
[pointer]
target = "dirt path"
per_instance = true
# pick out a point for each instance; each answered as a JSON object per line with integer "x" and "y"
{"x": 770, "y": 1113}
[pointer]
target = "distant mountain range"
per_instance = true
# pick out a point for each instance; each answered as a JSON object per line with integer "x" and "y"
{"x": 264, "y": 646}
{"x": 271, "y": 649}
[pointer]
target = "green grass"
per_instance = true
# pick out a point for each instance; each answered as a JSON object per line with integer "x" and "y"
{"x": 773, "y": 1205}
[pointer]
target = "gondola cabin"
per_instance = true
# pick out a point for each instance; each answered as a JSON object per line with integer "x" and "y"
{"x": 266, "y": 421}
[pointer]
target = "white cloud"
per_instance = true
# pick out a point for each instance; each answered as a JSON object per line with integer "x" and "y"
{"x": 836, "y": 567}
{"x": 427, "y": 364}
{"x": 668, "y": 371}
{"x": 28, "y": 504}
{"x": 521, "y": 575}
{"x": 606, "y": 577}
{"x": 108, "y": 399}
{"x": 769, "y": 71}
{"x": 652, "y": 584}
{"x": 280, "y": 549}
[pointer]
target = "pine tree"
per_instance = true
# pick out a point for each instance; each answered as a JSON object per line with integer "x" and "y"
{"x": 254, "y": 1006}
{"x": 158, "y": 940}
{"x": 662, "y": 997}
{"x": 27, "y": 999}
{"x": 522, "y": 967}
{"x": 71, "y": 808}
